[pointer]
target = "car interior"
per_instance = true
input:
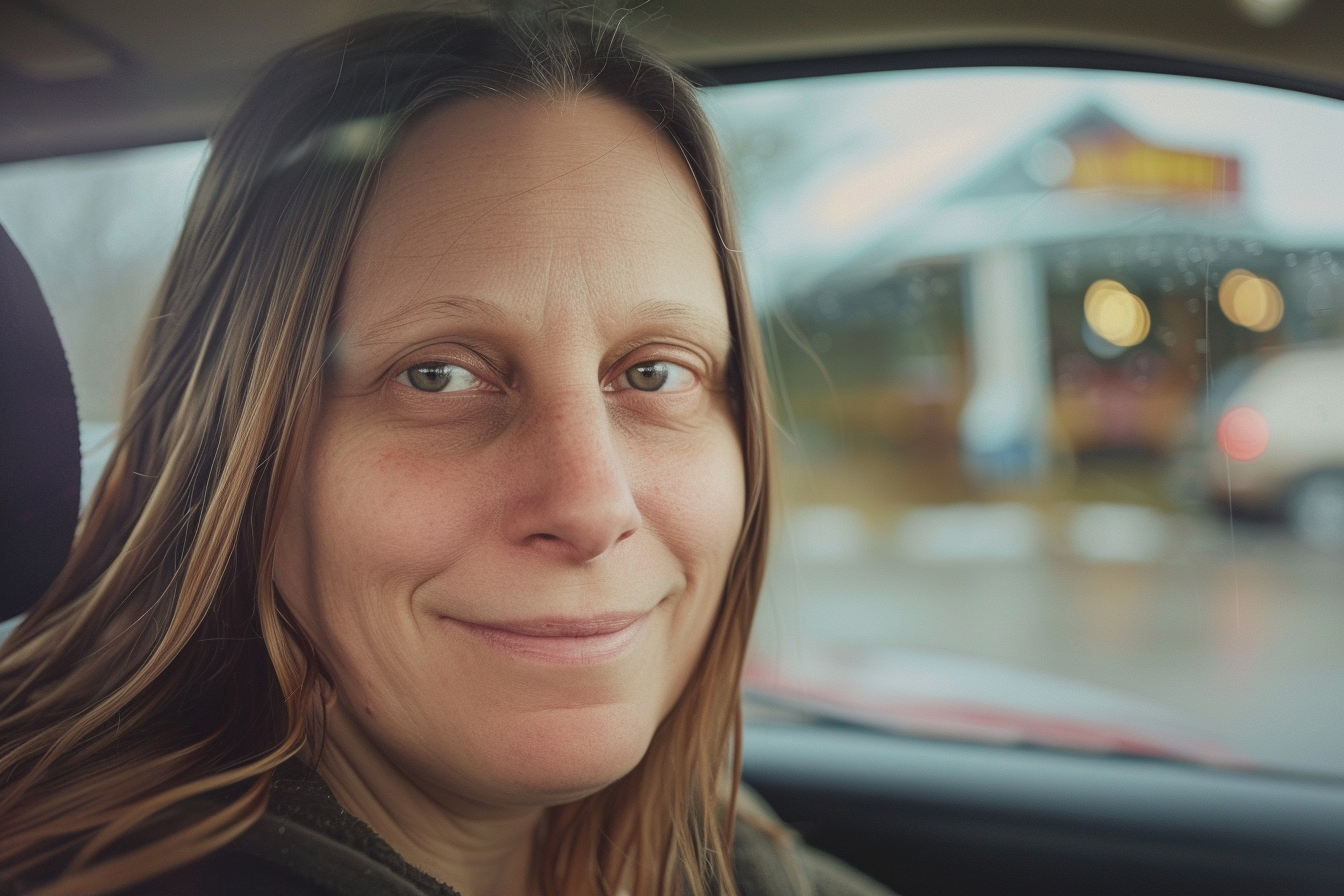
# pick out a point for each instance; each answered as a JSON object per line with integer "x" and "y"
{"x": 948, "y": 805}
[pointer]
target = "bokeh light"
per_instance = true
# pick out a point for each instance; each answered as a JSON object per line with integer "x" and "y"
{"x": 1243, "y": 433}
{"x": 1250, "y": 301}
{"x": 1115, "y": 314}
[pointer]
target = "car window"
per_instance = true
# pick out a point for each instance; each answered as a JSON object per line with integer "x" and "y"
{"x": 1055, "y": 356}
{"x": 97, "y": 231}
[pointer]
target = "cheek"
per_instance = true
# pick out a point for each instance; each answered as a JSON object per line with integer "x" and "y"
{"x": 693, "y": 496}
{"x": 364, "y": 526}
{"x": 694, "y": 502}
{"x": 393, "y": 516}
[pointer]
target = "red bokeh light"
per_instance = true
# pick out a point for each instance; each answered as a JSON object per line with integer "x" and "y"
{"x": 1243, "y": 433}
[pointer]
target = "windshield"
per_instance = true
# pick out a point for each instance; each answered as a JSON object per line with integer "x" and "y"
{"x": 1055, "y": 355}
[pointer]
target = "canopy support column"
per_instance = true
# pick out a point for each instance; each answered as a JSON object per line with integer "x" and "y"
{"x": 1005, "y": 424}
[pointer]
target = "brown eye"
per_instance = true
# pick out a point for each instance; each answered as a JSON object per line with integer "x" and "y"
{"x": 439, "y": 378}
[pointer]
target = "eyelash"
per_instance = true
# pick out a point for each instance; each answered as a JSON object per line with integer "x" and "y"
{"x": 474, "y": 383}
{"x": 680, "y": 374}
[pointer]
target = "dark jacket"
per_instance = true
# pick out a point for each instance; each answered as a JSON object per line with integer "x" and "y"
{"x": 307, "y": 845}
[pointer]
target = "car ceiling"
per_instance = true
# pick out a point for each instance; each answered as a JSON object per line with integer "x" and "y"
{"x": 85, "y": 75}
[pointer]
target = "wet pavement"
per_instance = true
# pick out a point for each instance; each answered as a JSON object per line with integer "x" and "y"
{"x": 1239, "y": 630}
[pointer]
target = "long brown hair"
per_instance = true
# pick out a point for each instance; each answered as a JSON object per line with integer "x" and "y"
{"x": 161, "y": 666}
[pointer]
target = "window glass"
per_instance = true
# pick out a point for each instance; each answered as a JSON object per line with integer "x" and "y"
{"x": 1056, "y": 356}
{"x": 1058, "y": 363}
{"x": 97, "y": 231}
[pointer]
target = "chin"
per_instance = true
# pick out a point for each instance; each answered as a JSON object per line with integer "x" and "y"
{"x": 561, "y": 755}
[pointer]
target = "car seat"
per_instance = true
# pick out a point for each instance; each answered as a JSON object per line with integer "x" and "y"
{"x": 39, "y": 440}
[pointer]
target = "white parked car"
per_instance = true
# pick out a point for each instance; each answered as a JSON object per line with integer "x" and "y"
{"x": 1279, "y": 444}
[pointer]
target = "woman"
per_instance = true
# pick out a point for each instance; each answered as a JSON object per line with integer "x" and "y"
{"x": 430, "y": 547}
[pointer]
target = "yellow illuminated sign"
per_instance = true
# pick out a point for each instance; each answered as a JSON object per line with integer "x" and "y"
{"x": 1127, "y": 163}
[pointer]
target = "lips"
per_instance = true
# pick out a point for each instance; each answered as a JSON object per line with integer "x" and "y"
{"x": 560, "y": 641}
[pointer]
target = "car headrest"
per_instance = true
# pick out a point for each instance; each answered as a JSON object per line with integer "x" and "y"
{"x": 39, "y": 440}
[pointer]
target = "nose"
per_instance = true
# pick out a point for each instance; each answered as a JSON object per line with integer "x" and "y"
{"x": 572, "y": 492}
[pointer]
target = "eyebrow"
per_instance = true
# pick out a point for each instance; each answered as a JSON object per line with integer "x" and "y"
{"x": 671, "y": 312}
{"x": 656, "y": 312}
{"x": 437, "y": 307}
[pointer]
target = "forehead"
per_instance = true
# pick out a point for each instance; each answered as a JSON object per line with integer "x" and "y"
{"x": 523, "y": 201}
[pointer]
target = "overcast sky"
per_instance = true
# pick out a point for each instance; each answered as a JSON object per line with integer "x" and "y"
{"x": 824, "y": 162}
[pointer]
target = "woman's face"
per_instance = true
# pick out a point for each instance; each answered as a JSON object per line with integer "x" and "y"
{"x": 510, "y": 531}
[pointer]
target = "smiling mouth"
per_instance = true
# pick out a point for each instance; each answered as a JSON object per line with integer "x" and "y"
{"x": 565, "y": 642}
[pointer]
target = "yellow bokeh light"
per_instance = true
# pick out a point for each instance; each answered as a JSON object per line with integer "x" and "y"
{"x": 1259, "y": 304}
{"x": 1228, "y": 288}
{"x": 1115, "y": 314}
{"x": 1250, "y": 301}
